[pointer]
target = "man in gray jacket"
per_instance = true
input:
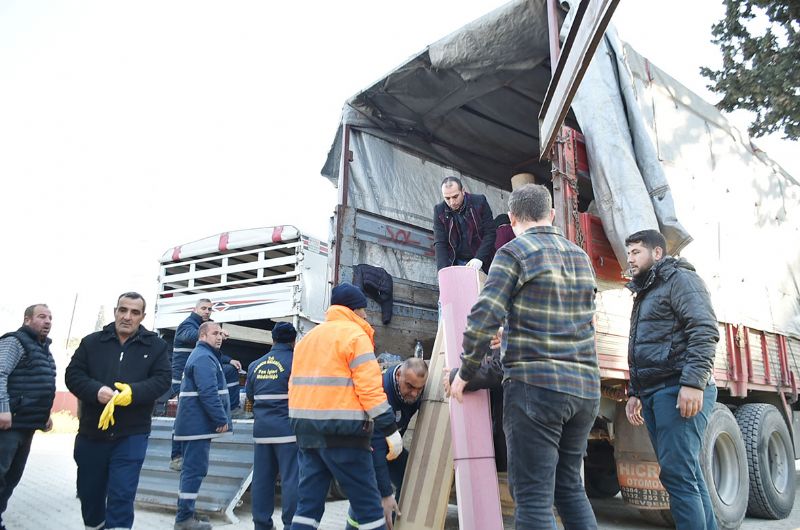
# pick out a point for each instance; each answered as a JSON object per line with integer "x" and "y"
{"x": 671, "y": 349}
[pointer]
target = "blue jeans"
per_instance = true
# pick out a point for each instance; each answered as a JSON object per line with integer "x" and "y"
{"x": 268, "y": 460}
{"x": 355, "y": 473}
{"x": 108, "y": 475}
{"x": 15, "y": 445}
{"x": 546, "y": 435}
{"x": 193, "y": 471}
{"x": 677, "y": 442}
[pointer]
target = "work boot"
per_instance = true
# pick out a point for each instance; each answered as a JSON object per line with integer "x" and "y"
{"x": 240, "y": 414}
{"x": 195, "y": 523}
{"x": 176, "y": 464}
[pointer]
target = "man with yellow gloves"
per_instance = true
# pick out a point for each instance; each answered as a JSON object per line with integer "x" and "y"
{"x": 336, "y": 400}
{"x": 115, "y": 424}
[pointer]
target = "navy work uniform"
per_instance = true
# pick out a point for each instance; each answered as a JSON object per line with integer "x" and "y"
{"x": 203, "y": 405}
{"x": 390, "y": 473}
{"x": 275, "y": 444}
{"x": 186, "y": 336}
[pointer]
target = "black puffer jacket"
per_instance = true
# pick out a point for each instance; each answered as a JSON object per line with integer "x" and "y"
{"x": 674, "y": 330}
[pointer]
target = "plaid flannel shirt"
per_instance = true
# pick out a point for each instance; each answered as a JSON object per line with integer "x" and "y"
{"x": 541, "y": 287}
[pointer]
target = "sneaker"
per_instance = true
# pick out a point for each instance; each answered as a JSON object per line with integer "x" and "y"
{"x": 195, "y": 523}
{"x": 176, "y": 464}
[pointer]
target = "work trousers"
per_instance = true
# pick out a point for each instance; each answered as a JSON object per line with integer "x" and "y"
{"x": 677, "y": 442}
{"x": 397, "y": 469}
{"x": 15, "y": 445}
{"x": 108, "y": 475}
{"x": 268, "y": 460}
{"x": 354, "y": 471}
{"x": 232, "y": 382}
{"x": 194, "y": 470}
{"x": 546, "y": 434}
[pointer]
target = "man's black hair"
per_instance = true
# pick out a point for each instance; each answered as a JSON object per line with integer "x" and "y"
{"x": 648, "y": 238}
{"x": 448, "y": 180}
{"x": 133, "y": 296}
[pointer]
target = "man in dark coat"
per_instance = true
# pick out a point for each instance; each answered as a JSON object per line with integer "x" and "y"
{"x": 110, "y": 449}
{"x": 27, "y": 390}
{"x": 463, "y": 228}
{"x": 671, "y": 348}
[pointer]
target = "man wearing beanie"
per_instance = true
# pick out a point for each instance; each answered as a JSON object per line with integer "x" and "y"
{"x": 336, "y": 400}
{"x": 275, "y": 448}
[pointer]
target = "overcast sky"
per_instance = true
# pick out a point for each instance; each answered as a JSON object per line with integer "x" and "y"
{"x": 127, "y": 128}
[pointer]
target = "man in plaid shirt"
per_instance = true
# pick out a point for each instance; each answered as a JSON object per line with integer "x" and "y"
{"x": 541, "y": 287}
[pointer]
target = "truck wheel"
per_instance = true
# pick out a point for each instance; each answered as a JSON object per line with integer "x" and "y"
{"x": 658, "y": 517}
{"x": 770, "y": 460}
{"x": 600, "y": 480}
{"x": 724, "y": 463}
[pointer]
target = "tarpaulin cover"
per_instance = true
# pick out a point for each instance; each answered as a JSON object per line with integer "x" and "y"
{"x": 660, "y": 156}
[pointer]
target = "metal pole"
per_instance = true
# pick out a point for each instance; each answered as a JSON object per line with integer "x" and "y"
{"x": 71, "y": 319}
{"x": 553, "y": 29}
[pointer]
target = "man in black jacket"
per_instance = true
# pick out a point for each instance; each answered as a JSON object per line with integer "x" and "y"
{"x": 27, "y": 390}
{"x": 463, "y": 228}
{"x": 110, "y": 449}
{"x": 671, "y": 349}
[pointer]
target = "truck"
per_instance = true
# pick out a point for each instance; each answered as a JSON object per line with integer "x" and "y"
{"x": 254, "y": 278}
{"x": 638, "y": 150}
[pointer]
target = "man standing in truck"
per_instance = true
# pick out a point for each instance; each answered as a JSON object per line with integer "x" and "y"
{"x": 542, "y": 285}
{"x": 111, "y": 442}
{"x": 463, "y": 228}
{"x": 671, "y": 346}
{"x": 186, "y": 336}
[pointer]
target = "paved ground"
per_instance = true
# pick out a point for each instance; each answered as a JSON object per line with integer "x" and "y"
{"x": 45, "y": 499}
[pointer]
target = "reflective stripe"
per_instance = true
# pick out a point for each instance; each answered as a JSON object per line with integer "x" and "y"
{"x": 361, "y": 359}
{"x": 276, "y": 440}
{"x": 191, "y": 393}
{"x": 183, "y": 495}
{"x": 201, "y": 436}
{"x": 176, "y": 381}
{"x": 98, "y": 527}
{"x": 181, "y": 350}
{"x": 352, "y": 522}
{"x": 299, "y": 519}
{"x": 235, "y": 383}
{"x": 358, "y": 415}
{"x": 378, "y": 409}
{"x": 377, "y": 523}
{"x": 322, "y": 381}
{"x": 263, "y": 397}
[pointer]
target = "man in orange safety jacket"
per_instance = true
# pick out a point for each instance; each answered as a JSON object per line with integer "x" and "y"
{"x": 336, "y": 400}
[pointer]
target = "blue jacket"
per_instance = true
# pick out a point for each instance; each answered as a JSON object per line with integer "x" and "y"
{"x": 403, "y": 412}
{"x": 203, "y": 402}
{"x": 268, "y": 389}
{"x": 186, "y": 336}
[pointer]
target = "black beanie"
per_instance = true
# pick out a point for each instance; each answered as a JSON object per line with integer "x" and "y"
{"x": 348, "y": 295}
{"x": 283, "y": 332}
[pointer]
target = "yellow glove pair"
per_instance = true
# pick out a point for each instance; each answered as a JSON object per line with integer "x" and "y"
{"x": 122, "y": 398}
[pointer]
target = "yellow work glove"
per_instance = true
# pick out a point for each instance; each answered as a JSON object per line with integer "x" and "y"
{"x": 107, "y": 416}
{"x": 124, "y": 397}
{"x": 395, "y": 445}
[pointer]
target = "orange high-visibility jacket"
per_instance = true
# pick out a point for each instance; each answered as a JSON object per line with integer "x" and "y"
{"x": 336, "y": 395}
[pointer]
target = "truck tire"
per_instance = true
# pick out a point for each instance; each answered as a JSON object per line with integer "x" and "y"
{"x": 658, "y": 517}
{"x": 724, "y": 463}
{"x": 600, "y": 478}
{"x": 770, "y": 460}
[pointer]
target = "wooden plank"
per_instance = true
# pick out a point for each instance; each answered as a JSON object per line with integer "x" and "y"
{"x": 429, "y": 472}
{"x": 470, "y": 421}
